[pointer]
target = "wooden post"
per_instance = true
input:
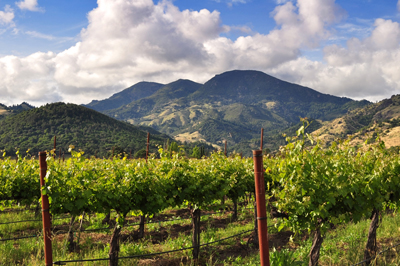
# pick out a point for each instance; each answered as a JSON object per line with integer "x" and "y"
{"x": 261, "y": 211}
{"x": 55, "y": 147}
{"x": 262, "y": 139}
{"x": 141, "y": 228}
{"x": 48, "y": 253}
{"x": 196, "y": 216}
{"x": 225, "y": 148}
{"x": 147, "y": 145}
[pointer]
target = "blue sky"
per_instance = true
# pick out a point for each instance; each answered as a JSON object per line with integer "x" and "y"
{"x": 76, "y": 51}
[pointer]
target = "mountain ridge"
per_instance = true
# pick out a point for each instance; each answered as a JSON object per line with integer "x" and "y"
{"x": 13, "y": 109}
{"x": 135, "y": 92}
{"x": 242, "y": 101}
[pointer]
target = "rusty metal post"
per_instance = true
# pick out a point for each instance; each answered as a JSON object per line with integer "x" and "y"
{"x": 261, "y": 211}
{"x": 262, "y": 139}
{"x": 48, "y": 252}
{"x": 147, "y": 145}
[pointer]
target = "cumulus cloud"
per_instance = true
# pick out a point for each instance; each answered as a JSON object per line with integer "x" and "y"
{"x": 298, "y": 26}
{"x": 30, "y": 76}
{"x": 7, "y": 16}
{"x": 127, "y": 41}
{"x": 133, "y": 40}
{"x": 31, "y": 5}
{"x": 365, "y": 68}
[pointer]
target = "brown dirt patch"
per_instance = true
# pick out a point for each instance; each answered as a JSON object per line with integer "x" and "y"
{"x": 280, "y": 239}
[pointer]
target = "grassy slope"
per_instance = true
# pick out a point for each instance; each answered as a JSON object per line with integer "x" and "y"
{"x": 382, "y": 118}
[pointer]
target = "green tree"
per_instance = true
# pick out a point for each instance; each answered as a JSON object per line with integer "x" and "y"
{"x": 196, "y": 152}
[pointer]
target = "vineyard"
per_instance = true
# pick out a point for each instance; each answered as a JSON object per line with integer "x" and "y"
{"x": 310, "y": 190}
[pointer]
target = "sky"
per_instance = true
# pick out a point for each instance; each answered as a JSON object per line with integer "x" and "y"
{"x": 80, "y": 50}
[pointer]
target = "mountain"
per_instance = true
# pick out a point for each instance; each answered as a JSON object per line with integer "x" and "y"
{"x": 165, "y": 95}
{"x": 14, "y": 109}
{"x": 133, "y": 93}
{"x": 366, "y": 124}
{"x": 232, "y": 106}
{"x": 86, "y": 129}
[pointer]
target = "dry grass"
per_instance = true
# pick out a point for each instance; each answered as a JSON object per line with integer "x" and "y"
{"x": 193, "y": 137}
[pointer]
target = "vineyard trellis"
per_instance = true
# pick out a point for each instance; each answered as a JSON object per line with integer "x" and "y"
{"x": 314, "y": 186}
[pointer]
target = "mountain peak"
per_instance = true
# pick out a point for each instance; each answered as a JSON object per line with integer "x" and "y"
{"x": 251, "y": 86}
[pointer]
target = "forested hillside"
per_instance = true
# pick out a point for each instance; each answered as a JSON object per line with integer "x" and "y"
{"x": 86, "y": 129}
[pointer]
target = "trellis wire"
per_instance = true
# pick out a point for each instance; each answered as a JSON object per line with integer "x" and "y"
{"x": 152, "y": 254}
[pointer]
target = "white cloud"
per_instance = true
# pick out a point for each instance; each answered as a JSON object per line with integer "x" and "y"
{"x": 7, "y": 16}
{"x": 48, "y": 37}
{"x": 40, "y": 35}
{"x": 366, "y": 68}
{"x": 230, "y": 3}
{"x": 30, "y": 5}
{"x": 243, "y": 29}
{"x": 279, "y": 2}
{"x": 29, "y": 77}
{"x": 128, "y": 41}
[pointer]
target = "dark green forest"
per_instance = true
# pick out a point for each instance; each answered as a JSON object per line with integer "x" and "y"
{"x": 86, "y": 129}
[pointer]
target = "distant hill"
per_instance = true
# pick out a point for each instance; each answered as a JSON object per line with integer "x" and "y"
{"x": 14, "y": 109}
{"x": 378, "y": 119}
{"x": 86, "y": 129}
{"x": 164, "y": 96}
{"x": 232, "y": 106}
{"x": 133, "y": 93}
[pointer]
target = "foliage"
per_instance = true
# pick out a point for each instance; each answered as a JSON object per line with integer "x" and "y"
{"x": 196, "y": 153}
{"x": 19, "y": 180}
{"x": 284, "y": 257}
